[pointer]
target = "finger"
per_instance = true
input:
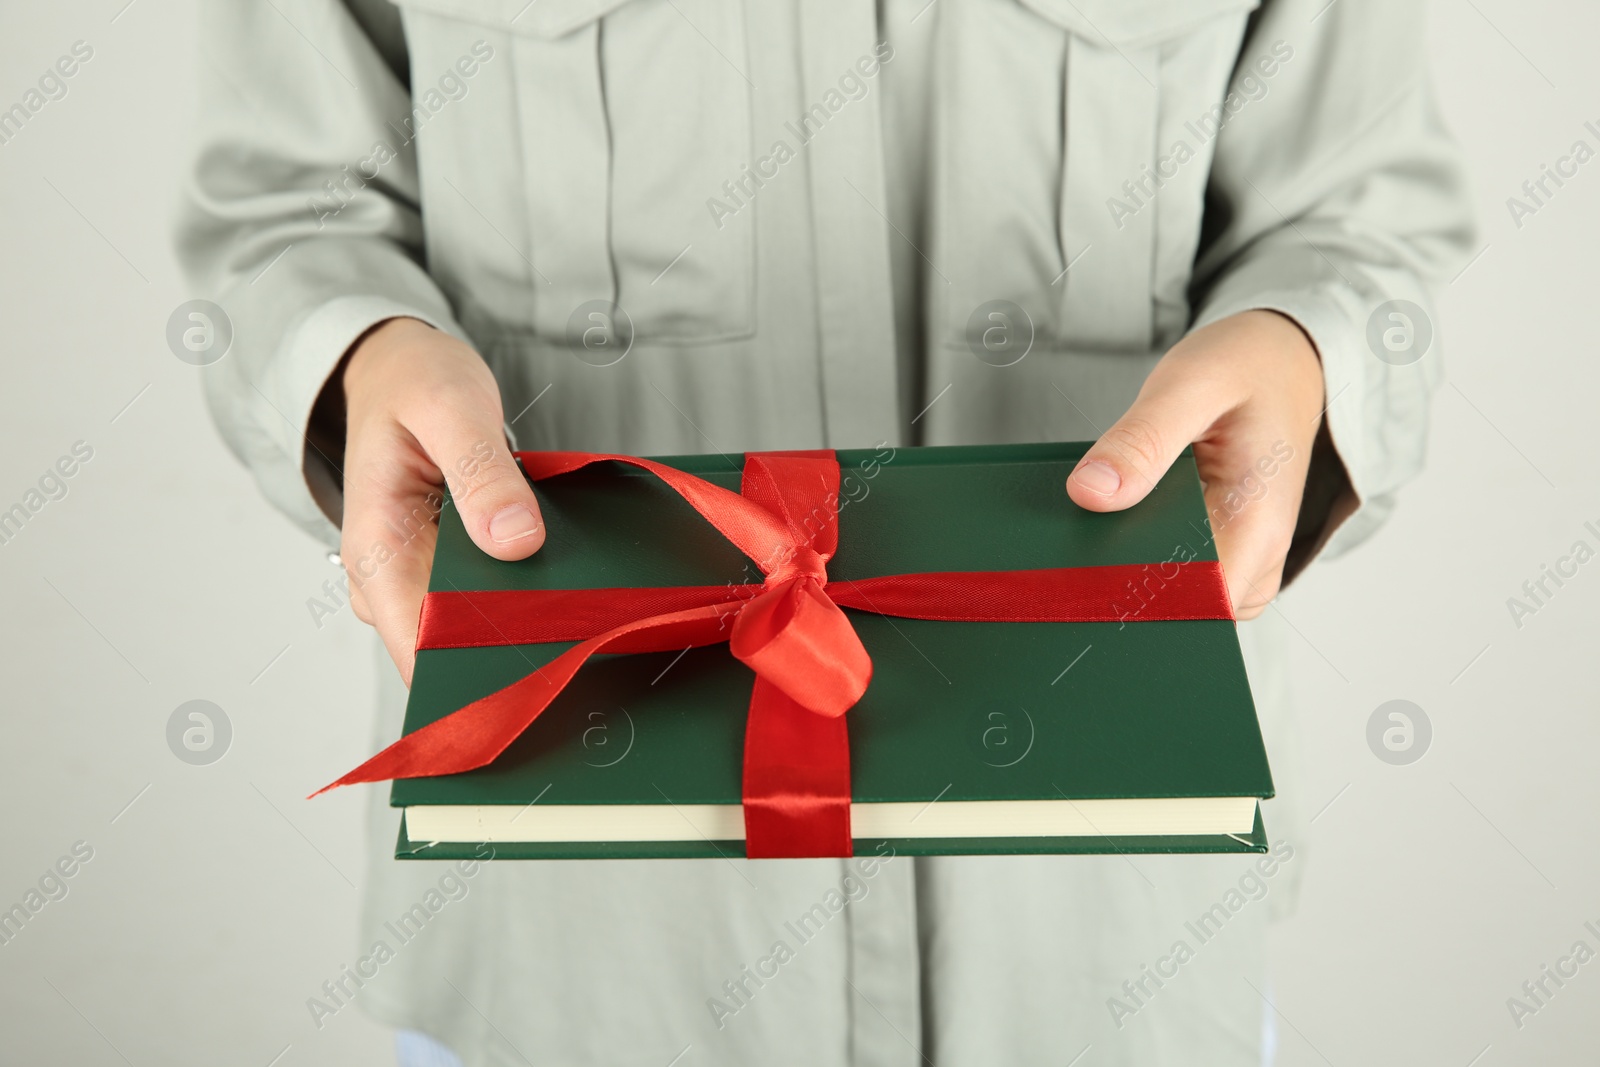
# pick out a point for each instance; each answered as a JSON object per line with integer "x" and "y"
{"x": 387, "y": 547}
{"x": 390, "y": 594}
{"x": 463, "y": 434}
{"x": 358, "y": 601}
{"x": 1120, "y": 469}
{"x": 1253, "y": 485}
{"x": 1251, "y": 546}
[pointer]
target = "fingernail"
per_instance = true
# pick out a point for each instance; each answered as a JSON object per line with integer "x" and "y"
{"x": 1097, "y": 477}
{"x": 512, "y": 523}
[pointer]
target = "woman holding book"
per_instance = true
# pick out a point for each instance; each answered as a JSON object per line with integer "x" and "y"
{"x": 448, "y": 228}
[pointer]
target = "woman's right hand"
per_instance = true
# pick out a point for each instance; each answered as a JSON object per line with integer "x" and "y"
{"x": 422, "y": 412}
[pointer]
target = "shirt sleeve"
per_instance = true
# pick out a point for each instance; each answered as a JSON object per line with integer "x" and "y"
{"x": 1336, "y": 198}
{"x": 300, "y": 218}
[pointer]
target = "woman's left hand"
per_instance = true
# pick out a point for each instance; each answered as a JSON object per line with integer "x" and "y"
{"x": 1247, "y": 392}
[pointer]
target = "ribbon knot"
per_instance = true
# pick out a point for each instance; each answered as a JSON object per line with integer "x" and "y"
{"x": 802, "y": 562}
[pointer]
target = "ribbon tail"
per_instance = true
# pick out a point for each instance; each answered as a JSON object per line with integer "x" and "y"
{"x": 473, "y": 736}
{"x": 796, "y": 779}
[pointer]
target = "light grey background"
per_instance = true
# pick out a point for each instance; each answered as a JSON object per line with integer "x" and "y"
{"x": 218, "y": 900}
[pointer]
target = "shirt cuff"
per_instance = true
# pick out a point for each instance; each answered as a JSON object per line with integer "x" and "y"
{"x": 313, "y": 349}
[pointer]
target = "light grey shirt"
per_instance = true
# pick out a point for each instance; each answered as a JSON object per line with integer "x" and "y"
{"x": 800, "y": 210}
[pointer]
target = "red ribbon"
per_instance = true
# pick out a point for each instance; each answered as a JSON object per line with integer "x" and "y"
{"x": 809, "y": 664}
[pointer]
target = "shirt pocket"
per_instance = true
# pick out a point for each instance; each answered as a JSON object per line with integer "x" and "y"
{"x": 615, "y": 126}
{"x": 1075, "y": 139}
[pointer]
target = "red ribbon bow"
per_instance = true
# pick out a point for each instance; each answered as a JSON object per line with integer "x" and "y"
{"x": 810, "y": 665}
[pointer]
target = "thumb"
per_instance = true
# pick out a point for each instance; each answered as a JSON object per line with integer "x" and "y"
{"x": 486, "y": 484}
{"x": 1121, "y": 468}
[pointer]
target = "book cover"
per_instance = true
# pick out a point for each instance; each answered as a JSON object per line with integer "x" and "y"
{"x": 957, "y": 713}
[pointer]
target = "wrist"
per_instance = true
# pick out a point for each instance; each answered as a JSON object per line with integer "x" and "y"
{"x": 1288, "y": 345}
{"x": 377, "y": 347}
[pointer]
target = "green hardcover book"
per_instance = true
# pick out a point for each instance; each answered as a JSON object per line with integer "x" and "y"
{"x": 972, "y": 738}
